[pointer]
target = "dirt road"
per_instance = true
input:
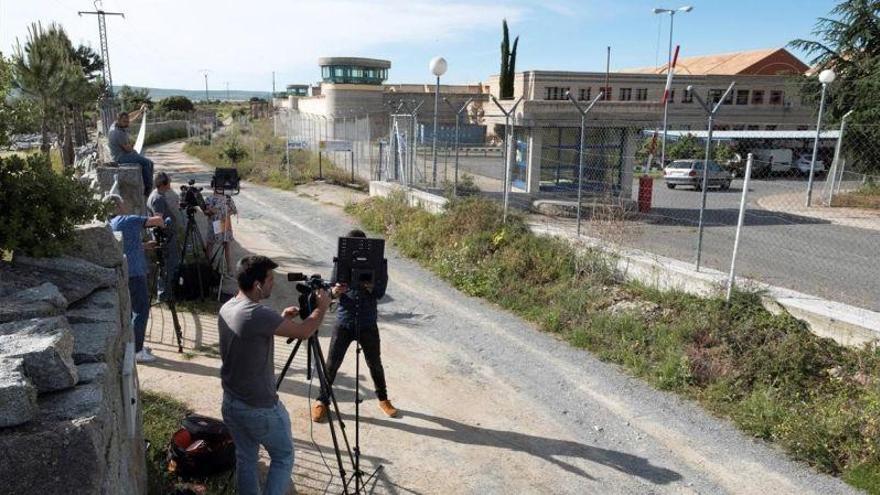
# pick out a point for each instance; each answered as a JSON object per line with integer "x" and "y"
{"x": 489, "y": 404}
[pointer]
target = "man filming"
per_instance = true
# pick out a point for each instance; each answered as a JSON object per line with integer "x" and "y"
{"x": 357, "y": 315}
{"x": 132, "y": 227}
{"x": 122, "y": 151}
{"x": 251, "y": 408}
{"x": 158, "y": 204}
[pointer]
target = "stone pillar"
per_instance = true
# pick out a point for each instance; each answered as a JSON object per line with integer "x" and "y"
{"x": 131, "y": 185}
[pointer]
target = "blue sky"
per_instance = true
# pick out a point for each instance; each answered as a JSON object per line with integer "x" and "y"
{"x": 164, "y": 43}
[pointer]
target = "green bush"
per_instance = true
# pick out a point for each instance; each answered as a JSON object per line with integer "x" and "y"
{"x": 177, "y": 103}
{"x": 164, "y": 135}
{"x": 41, "y": 208}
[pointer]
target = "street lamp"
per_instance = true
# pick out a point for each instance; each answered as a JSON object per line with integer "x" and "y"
{"x": 438, "y": 68}
{"x": 671, "y": 12}
{"x": 826, "y": 77}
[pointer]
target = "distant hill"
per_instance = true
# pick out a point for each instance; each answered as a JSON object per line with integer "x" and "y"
{"x": 195, "y": 95}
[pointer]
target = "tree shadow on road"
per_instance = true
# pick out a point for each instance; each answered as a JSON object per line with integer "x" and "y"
{"x": 547, "y": 449}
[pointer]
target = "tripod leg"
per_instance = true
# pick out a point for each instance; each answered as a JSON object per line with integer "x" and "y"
{"x": 287, "y": 364}
{"x": 177, "y": 330}
{"x": 322, "y": 379}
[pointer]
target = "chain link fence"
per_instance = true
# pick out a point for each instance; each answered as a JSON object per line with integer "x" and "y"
{"x": 818, "y": 236}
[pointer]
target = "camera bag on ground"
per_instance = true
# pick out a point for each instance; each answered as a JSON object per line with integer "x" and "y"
{"x": 195, "y": 280}
{"x": 201, "y": 447}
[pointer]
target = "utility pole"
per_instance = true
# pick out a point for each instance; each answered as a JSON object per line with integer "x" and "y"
{"x": 273, "y": 84}
{"x": 205, "y": 73}
{"x": 102, "y": 34}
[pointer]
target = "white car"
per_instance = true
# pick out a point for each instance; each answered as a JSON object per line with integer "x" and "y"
{"x": 802, "y": 165}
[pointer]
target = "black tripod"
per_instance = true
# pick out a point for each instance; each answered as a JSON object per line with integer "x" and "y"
{"x": 160, "y": 269}
{"x": 193, "y": 244}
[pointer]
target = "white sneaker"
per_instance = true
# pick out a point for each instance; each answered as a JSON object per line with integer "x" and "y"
{"x": 144, "y": 357}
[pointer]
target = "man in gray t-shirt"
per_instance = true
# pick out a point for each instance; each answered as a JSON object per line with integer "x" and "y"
{"x": 122, "y": 151}
{"x": 158, "y": 204}
{"x": 251, "y": 408}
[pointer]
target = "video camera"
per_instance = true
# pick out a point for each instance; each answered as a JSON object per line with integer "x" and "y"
{"x": 306, "y": 286}
{"x": 227, "y": 180}
{"x": 159, "y": 235}
{"x": 191, "y": 197}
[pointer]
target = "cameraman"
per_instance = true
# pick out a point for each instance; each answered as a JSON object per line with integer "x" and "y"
{"x": 158, "y": 204}
{"x": 251, "y": 408}
{"x": 357, "y": 314}
{"x": 132, "y": 227}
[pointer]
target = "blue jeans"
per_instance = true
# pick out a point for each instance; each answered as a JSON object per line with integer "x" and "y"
{"x": 146, "y": 167}
{"x": 140, "y": 309}
{"x": 254, "y": 426}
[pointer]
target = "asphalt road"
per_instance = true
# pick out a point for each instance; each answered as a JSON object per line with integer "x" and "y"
{"x": 806, "y": 254}
{"x": 490, "y": 404}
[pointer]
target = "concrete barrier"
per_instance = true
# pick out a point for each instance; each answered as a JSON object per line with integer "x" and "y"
{"x": 414, "y": 197}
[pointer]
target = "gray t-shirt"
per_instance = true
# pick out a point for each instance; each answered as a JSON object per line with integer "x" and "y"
{"x": 247, "y": 347}
{"x": 116, "y": 139}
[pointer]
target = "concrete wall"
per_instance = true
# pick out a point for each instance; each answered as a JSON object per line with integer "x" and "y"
{"x": 67, "y": 376}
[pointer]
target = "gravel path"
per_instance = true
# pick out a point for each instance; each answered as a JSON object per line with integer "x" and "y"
{"x": 490, "y": 404}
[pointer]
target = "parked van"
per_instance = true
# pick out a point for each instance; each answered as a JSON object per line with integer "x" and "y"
{"x": 771, "y": 161}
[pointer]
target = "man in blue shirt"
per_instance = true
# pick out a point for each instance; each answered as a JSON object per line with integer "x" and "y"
{"x": 132, "y": 227}
{"x": 122, "y": 151}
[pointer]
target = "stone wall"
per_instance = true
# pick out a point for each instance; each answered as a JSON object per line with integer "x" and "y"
{"x": 69, "y": 411}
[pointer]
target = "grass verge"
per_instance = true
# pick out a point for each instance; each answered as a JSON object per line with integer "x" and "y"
{"x": 162, "y": 415}
{"x": 768, "y": 373}
{"x": 867, "y": 196}
{"x": 265, "y": 160}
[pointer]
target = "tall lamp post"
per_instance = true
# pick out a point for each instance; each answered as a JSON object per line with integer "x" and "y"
{"x": 671, "y": 13}
{"x": 826, "y": 77}
{"x": 438, "y": 68}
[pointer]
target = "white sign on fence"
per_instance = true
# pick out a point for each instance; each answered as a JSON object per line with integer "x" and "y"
{"x": 335, "y": 145}
{"x": 297, "y": 144}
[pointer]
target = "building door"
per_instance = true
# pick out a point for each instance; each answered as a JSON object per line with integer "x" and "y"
{"x": 603, "y": 159}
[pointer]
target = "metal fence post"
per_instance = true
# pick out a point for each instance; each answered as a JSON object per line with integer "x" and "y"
{"x": 583, "y": 112}
{"x": 711, "y": 113}
{"x": 457, "y": 143}
{"x": 508, "y": 138}
{"x": 832, "y": 173}
{"x": 739, "y": 225}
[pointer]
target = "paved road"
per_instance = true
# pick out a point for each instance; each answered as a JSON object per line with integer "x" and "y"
{"x": 490, "y": 405}
{"x": 806, "y": 254}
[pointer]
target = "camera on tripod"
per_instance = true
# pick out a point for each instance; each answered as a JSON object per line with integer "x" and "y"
{"x": 306, "y": 286}
{"x": 191, "y": 197}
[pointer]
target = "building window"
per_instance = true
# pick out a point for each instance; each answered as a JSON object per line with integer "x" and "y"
{"x": 641, "y": 94}
{"x": 776, "y": 97}
{"x": 715, "y": 95}
{"x": 585, "y": 94}
{"x": 625, "y": 94}
{"x": 606, "y": 94}
{"x": 758, "y": 97}
{"x": 771, "y": 128}
{"x": 671, "y": 99}
{"x": 753, "y": 128}
{"x": 803, "y": 127}
{"x": 729, "y": 99}
{"x": 742, "y": 97}
{"x": 688, "y": 96}
{"x": 555, "y": 93}
{"x": 739, "y": 127}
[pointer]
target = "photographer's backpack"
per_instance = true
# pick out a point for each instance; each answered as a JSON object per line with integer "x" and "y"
{"x": 201, "y": 447}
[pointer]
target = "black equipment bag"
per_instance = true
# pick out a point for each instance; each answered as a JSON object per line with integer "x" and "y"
{"x": 201, "y": 447}
{"x": 187, "y": 285}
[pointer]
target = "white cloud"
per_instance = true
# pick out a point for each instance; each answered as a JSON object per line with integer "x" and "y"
{"x": 165, "y": 42}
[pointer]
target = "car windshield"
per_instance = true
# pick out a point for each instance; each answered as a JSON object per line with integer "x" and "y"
{"x": 686, "y": 164}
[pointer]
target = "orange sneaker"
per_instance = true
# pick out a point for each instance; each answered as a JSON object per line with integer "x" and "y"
{"x": 387, "y": 408}
{"x": 319, "y": 411}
